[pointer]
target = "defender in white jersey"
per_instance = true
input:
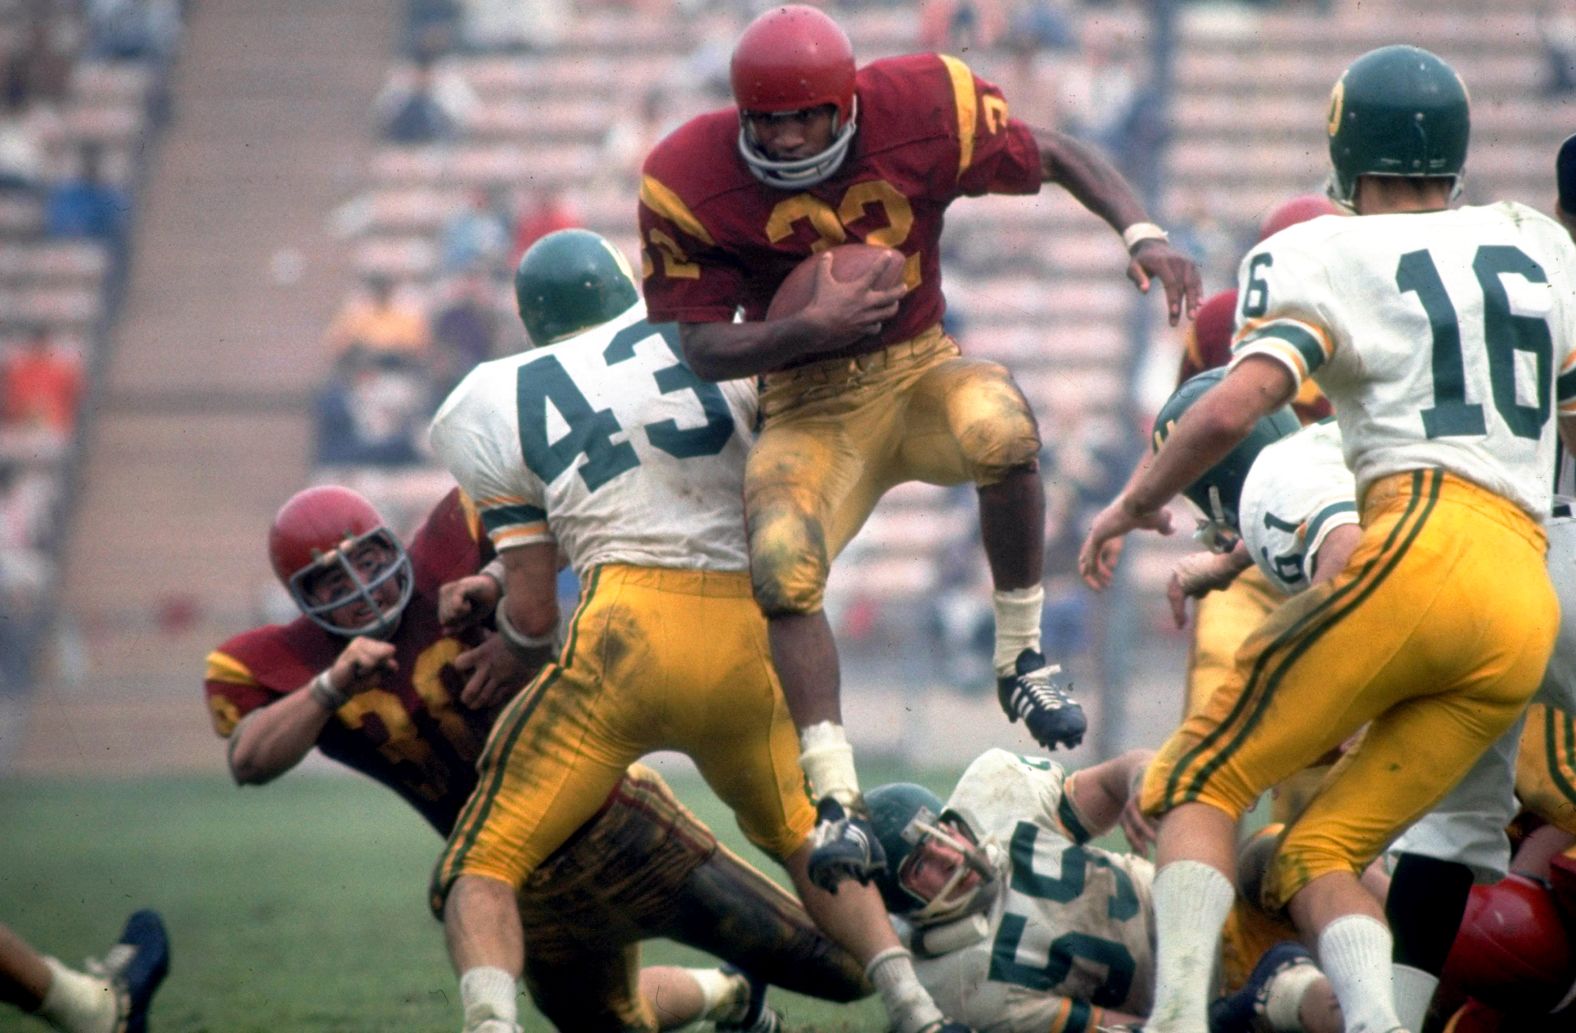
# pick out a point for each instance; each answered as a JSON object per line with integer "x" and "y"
{"x": 602, "y": 449}
{"x": 1444, "y": 339}
{"x": 1021, "y": 925}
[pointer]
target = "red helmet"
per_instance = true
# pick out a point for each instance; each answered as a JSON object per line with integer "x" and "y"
{"x": 1297, "y": 209}
{"x": 789, "y": 59}
{"x": 333, "y": 529}
{"x": 1512, "y": 949}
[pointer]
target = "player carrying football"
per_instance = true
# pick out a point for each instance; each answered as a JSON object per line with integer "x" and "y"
{"x": 863, "y": 389}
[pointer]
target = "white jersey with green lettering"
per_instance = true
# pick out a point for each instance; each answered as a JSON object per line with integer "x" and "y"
{"x": 1296, "y": 492}
{"x": 1073, "y": 924}
{"x": 1444, "y": 339}
{"x": 608, "y": 444}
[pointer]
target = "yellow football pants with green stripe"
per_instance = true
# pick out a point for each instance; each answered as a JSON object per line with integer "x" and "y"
{"x": 1546, "y": 766}
{"x": 1437, "y": 633}
{"x": 654, "y": 659}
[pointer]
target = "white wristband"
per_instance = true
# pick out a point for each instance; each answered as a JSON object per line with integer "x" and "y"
{"x": 1142, "y": 231}
{"x": 323, "y": 691}
{"x": 519, "y": 641}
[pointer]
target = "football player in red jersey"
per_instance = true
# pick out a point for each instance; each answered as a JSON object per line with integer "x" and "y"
{"x": 371, "y": 675}
{"x": 862, "y": 388}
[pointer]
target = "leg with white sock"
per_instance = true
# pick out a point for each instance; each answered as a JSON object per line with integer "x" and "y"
{"x": 481, "y": 922}
{"x": 1354, "y": 949}
{"x": 1193, "y": 892}
{"x": 1427, "y": 898}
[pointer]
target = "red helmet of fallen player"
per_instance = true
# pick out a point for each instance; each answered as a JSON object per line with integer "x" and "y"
{"x": 1512, "y": 950}
{"x": 794, "y": 58}
{"x": 341, "y": 564}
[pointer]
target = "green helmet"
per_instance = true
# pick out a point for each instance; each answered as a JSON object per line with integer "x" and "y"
{"x": 570, "y": 281}
{"x": 904, "y": 816}
{"x": 1397, "y": 111}
{"x": 1219, "y": 490}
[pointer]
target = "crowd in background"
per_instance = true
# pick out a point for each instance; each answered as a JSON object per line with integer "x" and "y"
{"x": 70, "y": 153}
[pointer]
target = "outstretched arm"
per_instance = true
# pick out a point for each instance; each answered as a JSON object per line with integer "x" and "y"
{"x": 1091, "y": 178}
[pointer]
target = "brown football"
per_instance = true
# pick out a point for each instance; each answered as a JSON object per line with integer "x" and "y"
{"x": 849, "y": 262}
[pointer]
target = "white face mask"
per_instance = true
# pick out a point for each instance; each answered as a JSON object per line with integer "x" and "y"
{"x": 797, "y": 173}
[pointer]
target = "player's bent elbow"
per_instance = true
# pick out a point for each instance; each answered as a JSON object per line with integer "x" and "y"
{"x": 702, "y": 353}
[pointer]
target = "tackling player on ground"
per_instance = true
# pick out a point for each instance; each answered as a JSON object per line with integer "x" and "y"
{"x": 379, "y": 674}
{"x": 863, "y": 389}
{"x": 1414, "y": 319}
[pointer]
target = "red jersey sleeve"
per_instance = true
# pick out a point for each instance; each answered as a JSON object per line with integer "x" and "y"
{"x": 688, "y": 273}
{"x": 449, "y": 544}
{"x": 997, "y": 154}
{"x": 256, "y": 667}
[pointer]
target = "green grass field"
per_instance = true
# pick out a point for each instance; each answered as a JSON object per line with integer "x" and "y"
{"x": 294, "y": 908}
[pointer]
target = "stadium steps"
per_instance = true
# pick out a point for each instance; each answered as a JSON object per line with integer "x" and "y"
{"x": 200, "y": 421}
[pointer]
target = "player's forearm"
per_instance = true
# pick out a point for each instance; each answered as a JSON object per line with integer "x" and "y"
{"x": 273, "y": 740}
{"x": 728, "y": 351}
{"x": 1090, "y": 177}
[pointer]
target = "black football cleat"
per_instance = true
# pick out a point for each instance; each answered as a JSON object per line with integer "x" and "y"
{"x": 1048, "y": 709}
{"x": 845, "y": 847}
{"x": 759, "y": 1017}
{"x": 1236, "y": 1012}
{"x": 134, "y": 967}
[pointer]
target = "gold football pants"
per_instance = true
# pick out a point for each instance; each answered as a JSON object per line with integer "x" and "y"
{"x": 838, "y": 434}
{"x": 1546, "y": 766}
{"x": 1437, "y": 632}
{"x": 654, "y": 660}
{"x": 1222, "y": 622}
{"x": 647, "y": 868}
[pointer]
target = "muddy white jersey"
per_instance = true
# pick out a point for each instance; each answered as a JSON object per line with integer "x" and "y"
{"x": 608, "y": 444}
{"x": 1297, "y": 491}
{"x": 1444, "y": 339}
{"x": 1073, "y": 924}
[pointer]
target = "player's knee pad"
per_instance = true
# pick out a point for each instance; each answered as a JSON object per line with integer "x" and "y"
{"x": 788, "y": 561}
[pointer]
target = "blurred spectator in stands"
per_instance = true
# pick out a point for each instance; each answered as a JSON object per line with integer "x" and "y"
{"x": 1197, "y": 230}
{"x": 1100, "y": 94}
{"x": 705, "y": 69}
{"x": 1042, "y": 25}
{"x": 541, "y": 211}
{"x": 41, "y": 386}
{"x": 1557, "y": 29}
{"x": 368, "y": 412}
{"x": 513, "y": 25}
{"x": 632, "y": 130}
{"x": 381, "y": 321}
{"x": 25, "y": 576}
{"x": 133, "y": 30}
{"x": 431, "y": 26}
{"x": 959, "y": 26}
{"x": 427, "y": 101}
{"x": 86, "y": 204}
{"x": 26, "y": 133}
{"x": 465, "y": 329}
{"x": 38, "y": 68}
{"x": 475, "y": 235}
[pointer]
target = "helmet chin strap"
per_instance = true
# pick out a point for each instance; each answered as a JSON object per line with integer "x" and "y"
{"x": 943, "y": 907}
{"x": 798, "y": 173}
{"x": 1215, "y": 532}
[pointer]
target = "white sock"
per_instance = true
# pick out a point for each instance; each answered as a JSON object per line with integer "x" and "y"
{"x": 1283, "y": 1002}
{"x": 488, "y": 996}
{"x": 721, "y": 993}
{"x": 76, "y": 1002}
{"x": 1192, "y": 900}
{"x": 1017, "y": 625}
{"x": 1414, "y": 989}
{"x": 908, "y": 1005}
{"x": 828, "y": 760}
{"x": 1354, "y": 952}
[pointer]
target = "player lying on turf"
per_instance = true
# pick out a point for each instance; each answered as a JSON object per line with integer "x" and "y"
{"x": 370, "y": 675}
{"x": 1020, "y": 925}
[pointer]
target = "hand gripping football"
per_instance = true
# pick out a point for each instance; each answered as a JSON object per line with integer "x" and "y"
{"x": 849, "y": 262}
